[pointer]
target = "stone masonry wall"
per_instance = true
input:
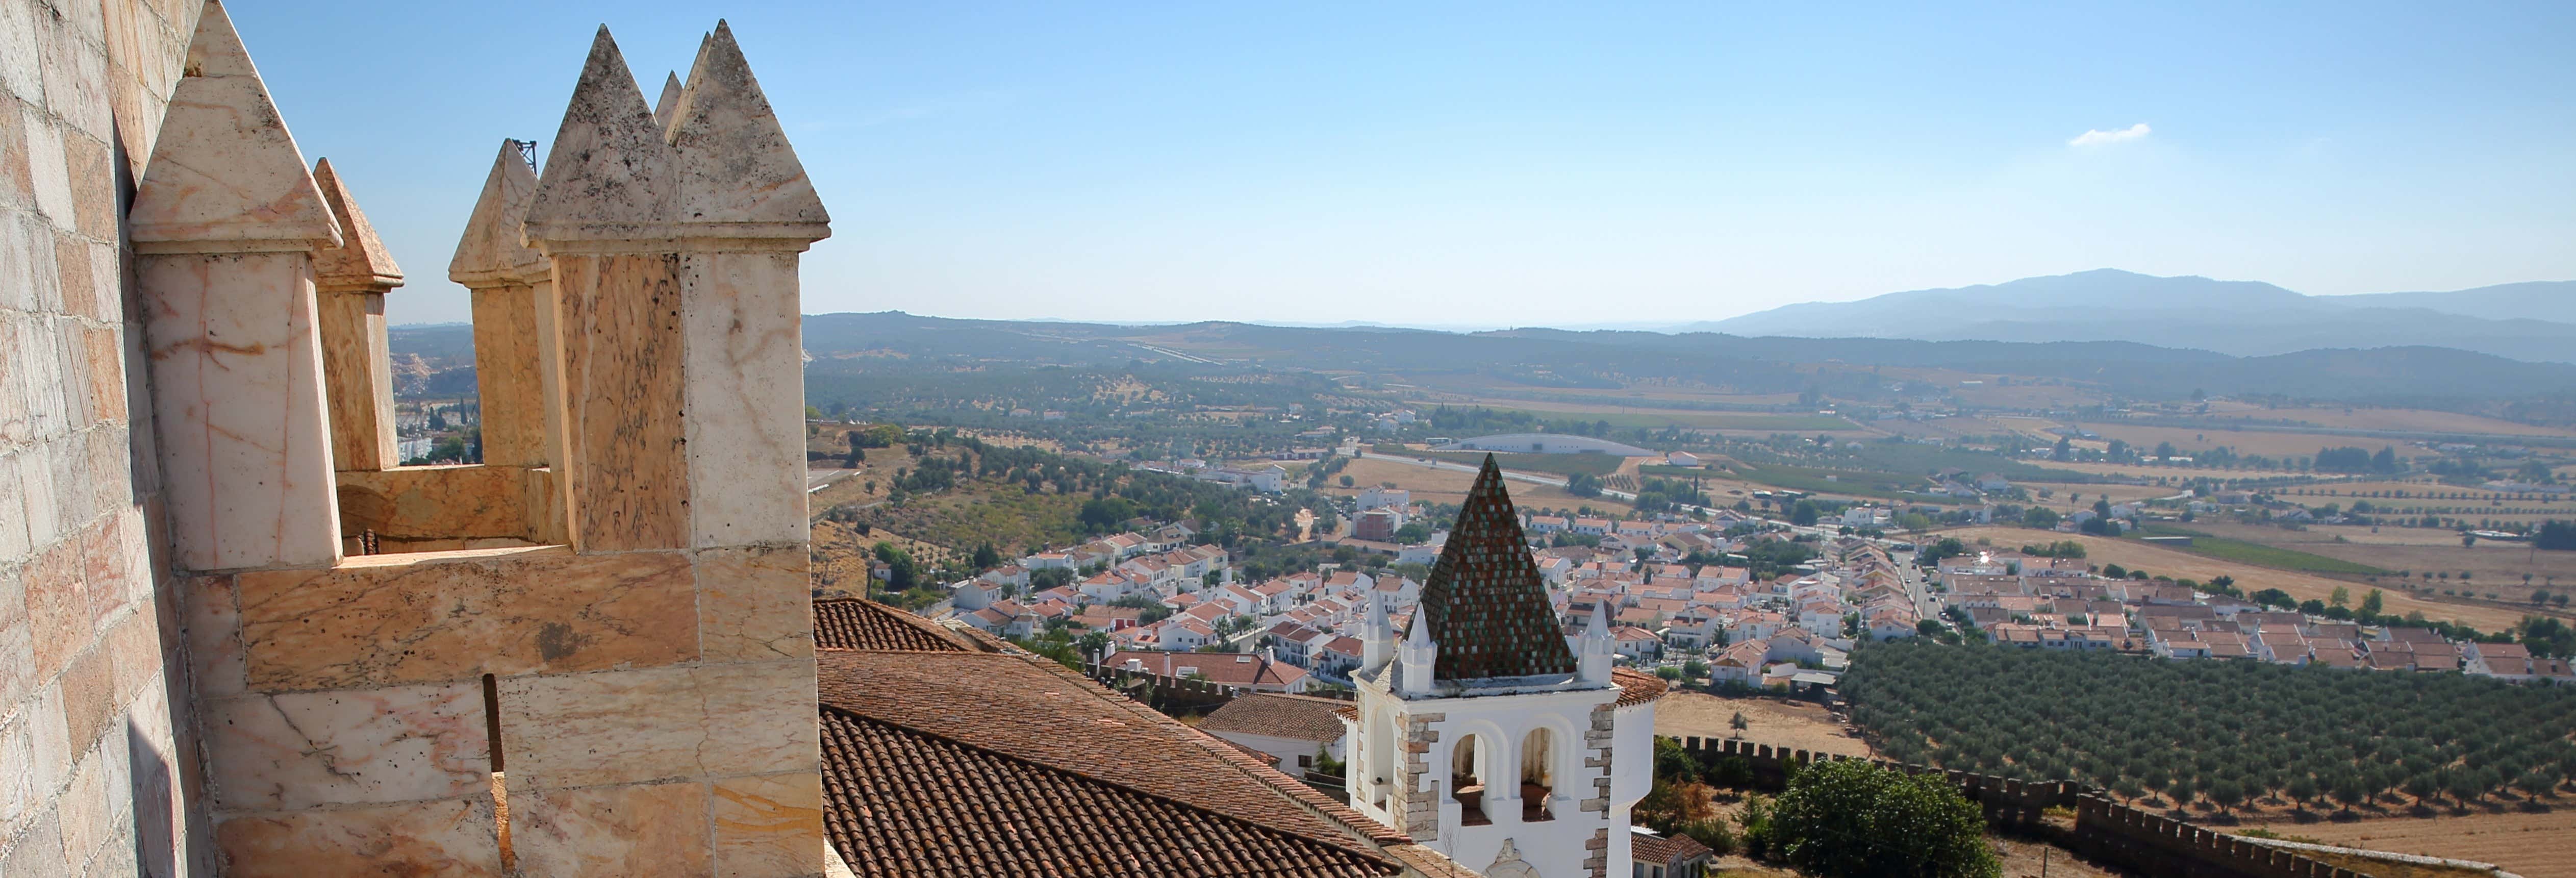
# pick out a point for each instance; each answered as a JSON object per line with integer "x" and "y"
{"x": 1416, "y": 802}
{"x": 97, "y": 775}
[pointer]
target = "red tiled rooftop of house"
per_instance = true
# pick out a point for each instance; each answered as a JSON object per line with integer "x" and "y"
{"x": 859, "y": 624}
{"x": 1278, "y": 715}
{"x": 969, "y": 763}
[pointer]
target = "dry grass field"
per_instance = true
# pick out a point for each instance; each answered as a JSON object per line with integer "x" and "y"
{"x": 1450, "y": 486}
{"x": 1797, "y": 725}
{"x": 2531, "y": 845}
{"x": 2184, "y": 565}
{"x": 2495, "y": 567}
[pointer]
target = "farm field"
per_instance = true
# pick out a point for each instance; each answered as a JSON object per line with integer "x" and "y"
{"x": 2184, "y": 565}
{"x": 2531, "y": 845}
{"x": 1865, "y": 484}
{"x": 1450, "y": 486}
{"x": 2060, "y": 491}
{"x": 2497, "y": 567}
{"x": 1648, "y": 416}
{"x": 2178, "y": 473}
{"x": 2408, "y": 420}
{"x": 1797, "y": 725}
{"x": 2217, "y": 735}
{"x": 2253, "y": 441}
{"x": 2263, "y": 554}
{"x": 1678, "y": 393}
{"x": 2029, "y": 396}
{"x": 1554, "y": 464}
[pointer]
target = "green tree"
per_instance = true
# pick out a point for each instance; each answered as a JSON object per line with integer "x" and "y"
{"x": 1849, "y": 818}
{"x": 1583, "y": 485}
{"x": 1804, "y": 514}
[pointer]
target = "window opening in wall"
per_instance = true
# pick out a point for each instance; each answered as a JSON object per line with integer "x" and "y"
{"x": 1537, "y": 781}
{"x": 1467, "y": 781}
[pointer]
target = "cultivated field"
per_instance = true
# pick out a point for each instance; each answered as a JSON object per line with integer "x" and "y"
{"x": 1643, "y": 414}
{"x": 2495, "y": 567}
{"x": 2184, "y": 565}
{"x": 1797, "y": 725}
{"x": 2131, "y": 470}
{"x": 2409, "y": 420}
{"x": 1450, "y": 486}
{"x": 2028, "y": 396}
{"x": 2263, "y": 442}
{"x": 2531, "y": 845}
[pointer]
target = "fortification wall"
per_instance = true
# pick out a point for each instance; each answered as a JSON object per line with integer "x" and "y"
{"x": 2104, "y": 828}
{"x": 96, "y": 774}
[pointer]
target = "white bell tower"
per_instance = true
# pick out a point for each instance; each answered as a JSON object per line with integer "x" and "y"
{"x": 1483, "y": 733}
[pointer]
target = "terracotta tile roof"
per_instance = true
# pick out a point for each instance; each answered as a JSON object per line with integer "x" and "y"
{"x": 1636, "y": 687}
{"x": 1221, "y": 668}
{"x": 902, "y": 803}
{"x": 1038, "y": 728}
{"x": 861, "y": 624}
{"x": 1487, "y": 608}
{"x": 1662, "y": 849}
{"x": 1297, "y": 717}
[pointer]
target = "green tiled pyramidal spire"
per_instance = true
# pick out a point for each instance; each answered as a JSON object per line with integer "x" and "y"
{"x": 1487, "y": 608}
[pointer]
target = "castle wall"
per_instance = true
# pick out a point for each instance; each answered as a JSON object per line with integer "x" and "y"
{"x": 97, "y": 774}
{"x": 2104, "y": 828}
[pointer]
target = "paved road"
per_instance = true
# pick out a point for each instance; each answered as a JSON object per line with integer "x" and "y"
{"x": 818, "y": 479}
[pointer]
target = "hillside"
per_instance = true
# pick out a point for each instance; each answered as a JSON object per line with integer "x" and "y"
{"x": 2551, "y": 300}
{"x": 2532, "y": 322}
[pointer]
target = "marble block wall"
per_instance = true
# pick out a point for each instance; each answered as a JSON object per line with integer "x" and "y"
{"x": 195, "y": 681}
{"x": 96, "y": 771}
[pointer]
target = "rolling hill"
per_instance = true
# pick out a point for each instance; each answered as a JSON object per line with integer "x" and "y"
{"x": 2241, "y": 318}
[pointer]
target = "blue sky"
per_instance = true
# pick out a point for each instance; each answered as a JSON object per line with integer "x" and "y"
{"x": 1499, "y": 163}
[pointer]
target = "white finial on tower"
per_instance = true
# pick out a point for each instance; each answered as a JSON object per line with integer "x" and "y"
{"x": 1377, "y": 641}
{"x": 1593, "y": 666}
{"x": 1419, "y": 653}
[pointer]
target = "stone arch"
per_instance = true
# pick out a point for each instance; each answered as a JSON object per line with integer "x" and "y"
{"x": 1547, "y": 756}
{"x": 1474, "y": 760}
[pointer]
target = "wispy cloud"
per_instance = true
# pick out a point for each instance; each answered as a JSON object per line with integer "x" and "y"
{"x": 2098, "y": 137}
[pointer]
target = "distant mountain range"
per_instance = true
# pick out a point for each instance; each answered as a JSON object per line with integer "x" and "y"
{"x": 2533, "y": 322}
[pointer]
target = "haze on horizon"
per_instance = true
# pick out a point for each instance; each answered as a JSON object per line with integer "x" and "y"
{"x": 1481, "y": 164}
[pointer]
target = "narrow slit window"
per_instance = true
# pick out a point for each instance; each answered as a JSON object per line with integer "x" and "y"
{"x": 500, "y": 785}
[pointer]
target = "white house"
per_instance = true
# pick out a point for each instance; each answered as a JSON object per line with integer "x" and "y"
{"x": 1381, "y": 498}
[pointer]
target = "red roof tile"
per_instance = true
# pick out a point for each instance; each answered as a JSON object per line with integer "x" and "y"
{"x": 861, "y": 624}
{"x": 1296, "y": 717}
{"x": 1637, "y": 687}
{"x": 1038, "y": 712}
{"x": 903, "y": 803}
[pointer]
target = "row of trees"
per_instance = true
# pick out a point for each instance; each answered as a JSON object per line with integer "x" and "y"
{"x": 2221, "y": 732}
